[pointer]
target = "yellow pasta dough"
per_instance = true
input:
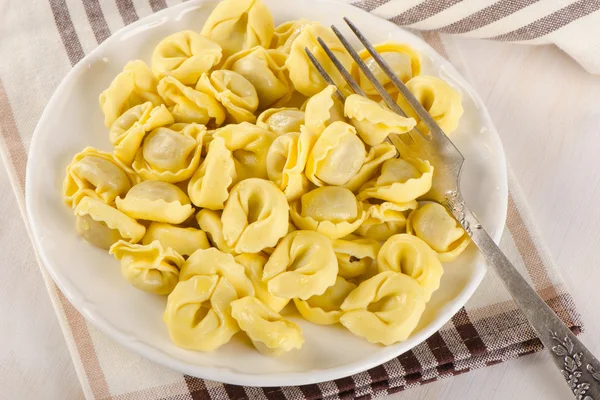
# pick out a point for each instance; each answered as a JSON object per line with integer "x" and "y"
{"x": 384, "y": 309}
{"x": 103, "y": 225}
{"x": 355, "y": 255}
{"x": 303, "y": 265}
{"x": 270, "y": 333}
{"x": 210, "y": 222}
{"x": 435, "y": 226}
{"x": 253, "y": 265}
{"x": 336, "y": 157}
{"x": 377, "y": 155}
{"x": 170, "y": 154}
{"x": 156, "y": 201}
{"x": 150, "y": 267}
{"x": 401, "y": 181}
{"x": 325, "y": 309}
{"x": 188, "y": 105}
{"x": 373, "y": 122}
{"x": 412, "y": 256}
{"x": 281, "y": 120}
{"x": 239, "y": 24}
{"x": 184, "y": 241}
{"x": 385, "y": 220}
{"x": 330, "y": 210}
{"x": 286, "y": 33}
{"x": 256, "y": 216}
{"x": 441, "y": 101}
{"x": 198, "y": 313}
{"x": 135, "y": 85}
{"x": 322, "y": 110}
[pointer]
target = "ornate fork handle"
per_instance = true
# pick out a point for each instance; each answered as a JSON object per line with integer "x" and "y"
{"x": 576, "y": 363}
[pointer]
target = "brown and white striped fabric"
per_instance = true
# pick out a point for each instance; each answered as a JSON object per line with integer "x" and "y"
{"x": 40, "y": 43}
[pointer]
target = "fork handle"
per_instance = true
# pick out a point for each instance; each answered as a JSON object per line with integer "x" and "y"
{"x": 576, "y": 363}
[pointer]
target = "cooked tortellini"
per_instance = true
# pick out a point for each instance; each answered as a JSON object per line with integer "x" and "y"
{"x": 256, "y": 216}
{"x": 184, "y": 241}
{"x": 355, "y": 255}
{"x": 234, "y": 92}
{"x": 198, "y": 313}
{"x": 266, "y": 70}
{"x": 156, "y": 201}
{"x": 385, "y": 219}
{"x": 96, "y": 174}
{"x": 401, "y": 181}
{"x": 412, "y": 256}
{"x": 303, "y": 265}
{"x": 377, "y": 155}
{"x": 286, "y": 160}
{"x": 270, "y": 333}
{"x": 373, "y": 122}
{"x": 303, "y": 74}
{"x": 322, "y": 110}
{"x": 189, "y": 105}
{"x": 435, "y": 226}
{"x": 330, "y": 210}
{"x": 325, "y": 309}
{"x": 441, "y": 101}
{"x": 402, "y": 59}
{"x": 286, "y": 33}
{"x": 385, "y": 308}
{"x": 249, "y": 146}
{"x": 210, "y": 222}
{"x": 170, "y": 154}
{"x": 210, "y": 184}
{"x": 281, "y": 120}
{"x": 129, "y": 130}
{"x": 135, "y": 85}
{"x": 336, "y": 157}
{"x": 185, "y": 56}
{"x": 103, "y": 225}
{"x": 239, "y": 24}
{"x": 150, "y": 268}
{"x": 253, "y": 264}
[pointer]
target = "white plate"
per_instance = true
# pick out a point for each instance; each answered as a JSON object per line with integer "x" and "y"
{"x": 91, "y": 279}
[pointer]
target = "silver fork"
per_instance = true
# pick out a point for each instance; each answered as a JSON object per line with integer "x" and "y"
{"x": 576, "y": 363}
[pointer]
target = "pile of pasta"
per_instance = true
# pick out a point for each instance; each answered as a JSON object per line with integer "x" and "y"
{"x": 239, "y": 183}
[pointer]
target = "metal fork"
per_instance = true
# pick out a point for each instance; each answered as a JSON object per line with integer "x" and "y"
{"x": 576, "y": 363}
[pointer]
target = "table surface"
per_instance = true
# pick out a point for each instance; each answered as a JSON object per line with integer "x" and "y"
{"x": 543, "y": 105}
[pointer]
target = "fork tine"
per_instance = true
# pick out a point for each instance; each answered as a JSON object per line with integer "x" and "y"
{"x": 355, "y": 86}
{"x": 324, "y": 74}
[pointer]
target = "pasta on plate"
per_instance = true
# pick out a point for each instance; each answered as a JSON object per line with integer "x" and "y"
{"x": 184, "y": 241}
{"x": 325, "y": 309}
{"x": 281, "y": 120}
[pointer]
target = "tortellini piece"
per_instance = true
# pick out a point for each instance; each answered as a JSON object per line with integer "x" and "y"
{"x": 135, "y": 85}
{"x": 210, "y": 222}
{"x": 185, "y": 56}
{"x": 332, "y": 211}
{"x": 375, "y": 158}
{"x": 401, "y": 181}
{"x": 441, "y": 101}
{"x": 256, "y": 216}
{"x": 355, "y": 255}
{"x": 435, "y": 226}
{"x": 170, "y": 154}
{"x": 384, "y": 309}
{"x": 198, "y": 313}
{"x": 103, "y": 225}
{"x": 210, "y": 184}
{"x": 266, "y": 70}
{"x": 249, "y": 146}
{"x": 303, "y": 265}
{"x": 403, "y": 59}
{"x": 286, "y": 33}
{"x": 184, "y": 241}
{"x": 412, "y": 256}
{"x": 286, "y": 160}
{"x": 214, "y": 262}
{"x": 270, "y": 333}
{"x": 150, "y": 268}
{"x": 129, "y": 130}
{"x": 322, "y": 110}
{"x": 336, "y": 157}
{"x": 325, "y": 309}
{"x": 253, "y": 265}
{"x": 281, "y": 120}
{"x": 234, "y": 92}
{"x": 239, "y": 24}
{"x": 303, "y": 74}
{"x": 373, "y": 122}
{"x": 385, "y": 220}
{"x": 96, "y": 174}
{"x": 156, "y": 201}
{"x": 188, "y": 105}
